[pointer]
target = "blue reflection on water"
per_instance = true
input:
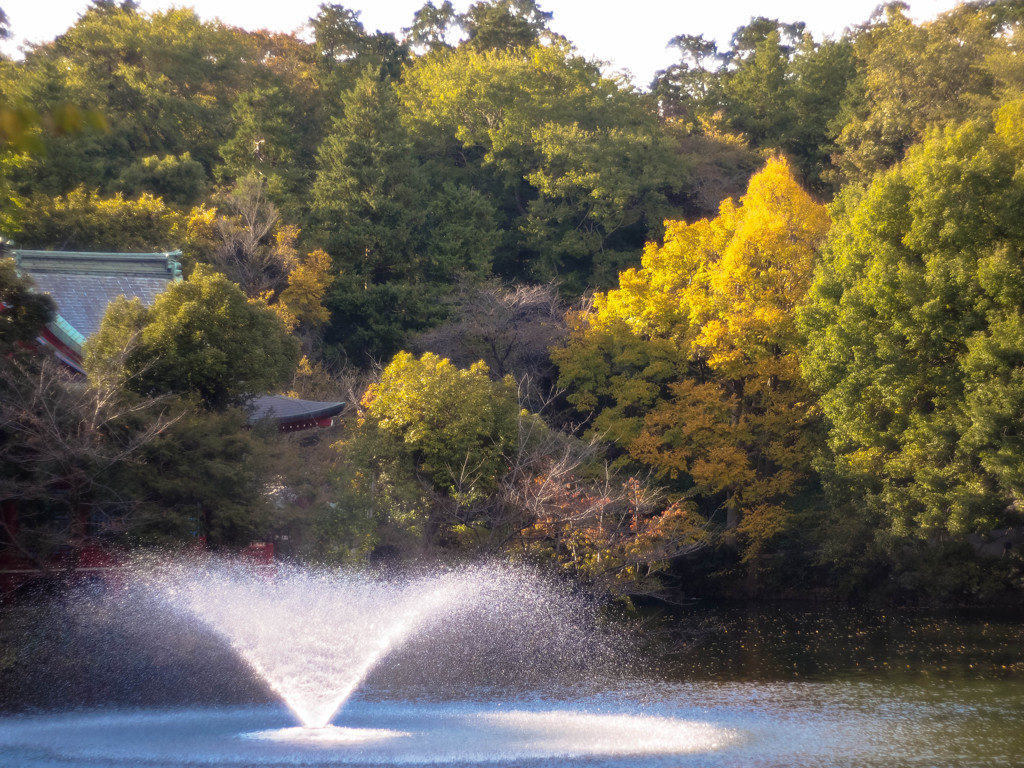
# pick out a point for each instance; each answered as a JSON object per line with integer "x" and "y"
{"x": 689, "y": 725}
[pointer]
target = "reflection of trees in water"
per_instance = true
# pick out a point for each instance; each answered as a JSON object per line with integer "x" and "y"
{"x": 816, "y": 642}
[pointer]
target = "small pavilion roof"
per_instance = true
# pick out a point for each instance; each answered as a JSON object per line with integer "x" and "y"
{"x": 292, "y": 413}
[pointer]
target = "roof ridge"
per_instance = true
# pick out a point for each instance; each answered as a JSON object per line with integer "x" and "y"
{"x": 155, "y": 263}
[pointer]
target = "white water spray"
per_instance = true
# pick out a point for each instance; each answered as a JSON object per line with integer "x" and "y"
{"x": 314, "y": 635}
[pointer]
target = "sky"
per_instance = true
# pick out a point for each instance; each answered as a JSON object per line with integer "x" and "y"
{"x": 629, "y": 36}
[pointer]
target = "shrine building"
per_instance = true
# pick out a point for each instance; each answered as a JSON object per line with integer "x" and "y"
{"x": 83, "y": 283}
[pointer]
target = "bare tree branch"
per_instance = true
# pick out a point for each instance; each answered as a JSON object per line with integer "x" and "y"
{"x": 62, "y": 442}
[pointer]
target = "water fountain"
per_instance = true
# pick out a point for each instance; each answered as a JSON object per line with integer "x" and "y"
{"x": 477, "y": 666}
{"x": 313, "y": 636}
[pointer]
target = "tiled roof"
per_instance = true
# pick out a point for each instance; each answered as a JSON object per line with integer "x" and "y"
{"x": 83, "y": 284}
{"x": 289, "y": 409}
{"x": 82, "y": 299}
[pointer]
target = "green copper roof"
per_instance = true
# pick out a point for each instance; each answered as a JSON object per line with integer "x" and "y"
{"x": 67, "y": 333}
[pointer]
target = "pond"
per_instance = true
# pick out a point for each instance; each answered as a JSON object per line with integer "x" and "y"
{"x": 829, "y": 686}
{"x": 97, "y": 683}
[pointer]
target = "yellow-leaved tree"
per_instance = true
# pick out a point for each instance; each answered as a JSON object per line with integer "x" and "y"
{"x": 307, "y": 285}
{"x": 691, "y": 363}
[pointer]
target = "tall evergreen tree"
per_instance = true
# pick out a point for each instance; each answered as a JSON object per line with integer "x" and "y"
{"x": 368, "y": 194}
{"x": 396, "y": 240}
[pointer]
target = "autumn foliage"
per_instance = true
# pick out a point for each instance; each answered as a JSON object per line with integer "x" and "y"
{"x": 795, "y": 350}
{"x": 699, "y": 351}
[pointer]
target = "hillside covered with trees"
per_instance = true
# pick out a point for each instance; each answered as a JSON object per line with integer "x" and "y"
{"x": 754, "y": 328}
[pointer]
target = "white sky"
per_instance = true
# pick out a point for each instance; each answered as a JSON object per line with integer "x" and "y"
{"x": 628, "y": 34}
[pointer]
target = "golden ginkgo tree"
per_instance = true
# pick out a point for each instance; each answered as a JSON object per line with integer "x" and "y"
{"x": 691, "y": 363}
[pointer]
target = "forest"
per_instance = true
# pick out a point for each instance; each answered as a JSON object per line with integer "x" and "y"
{"x": 752, "y": 329}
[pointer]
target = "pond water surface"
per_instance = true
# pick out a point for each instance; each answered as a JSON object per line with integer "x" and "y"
{"x": 782, "y": 686}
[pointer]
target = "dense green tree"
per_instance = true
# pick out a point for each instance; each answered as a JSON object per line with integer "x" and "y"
{"x": 203, "y": 477}
{"x": 201, "y": 336}
{"x": 913, "y": 331}
{"x": 457, "y": 424}
{"x": 912, "y": 77}
{"x": 338, "y": 34}
{"x": 368, "y": 194}
{"x": 263, "y": 142}
{"x": 775, "y": 87}
{"x": 178, "y": 179}
{"x": 505, "y": 24}
{"x": 22, "y": 131}
{"x": 87, "y": 221}
{"x": 430, "y": 449}
{"x": 164, "y": 81}
{"x": 544, "y": 135}
{"x": 685, "y": 89}
{"x": 23, "y": 312}
{"x": 392, "y": 234}
{"x": 343, "y": 49}
{"x": 459, "y": 234}
{"x": 431, "y": 27}
{"x": 279, "y": 120}
{"x": 368, "y": 200}
{"x": 758, "y": 80}
{"x": 491, "y": 101}
{"x": 600, "y": 194}
{"x": 823, "y": 74}
{"x": 486, "y": 25}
